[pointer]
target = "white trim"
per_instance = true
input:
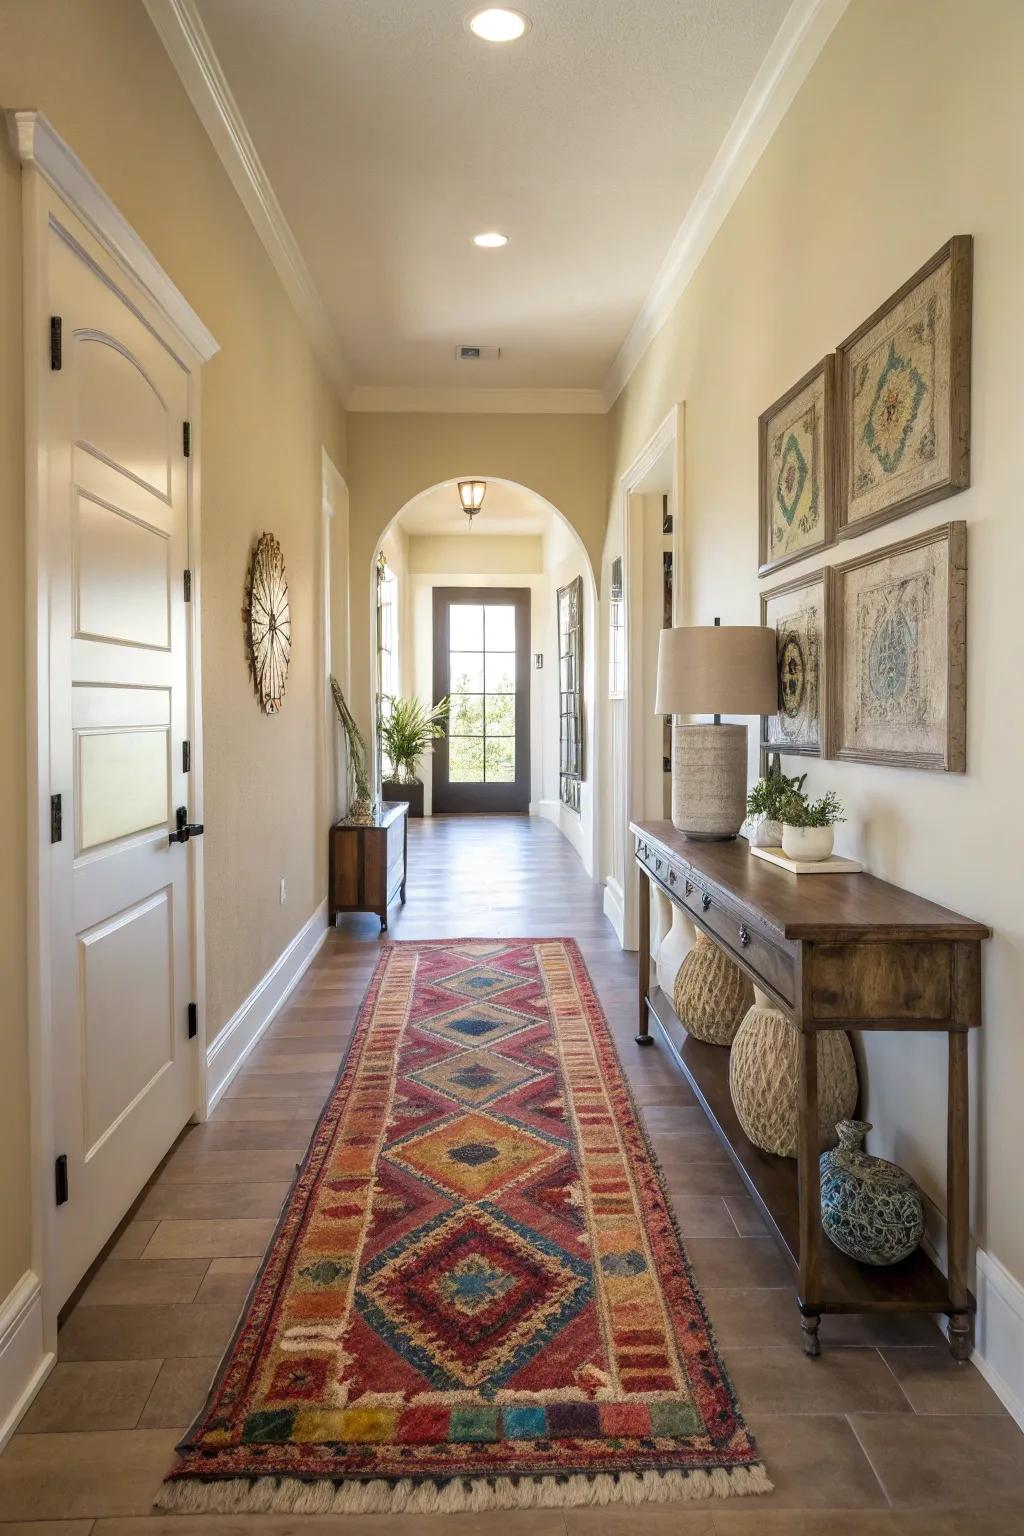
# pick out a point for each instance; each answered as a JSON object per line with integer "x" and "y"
{"x": 614, "y": 905}
{"x": 546, "y": 808}
{"x": 181, "y": 30}
{"x": 226, "y": 1055}
{"x": 999, "y": 1333}
{"x": 36, "y": 143}
{"x": 25, "y": 1362}
{"x": 669, "y": 435}
{"x": 476, "y": 401}
{"x": 807, "y": 26}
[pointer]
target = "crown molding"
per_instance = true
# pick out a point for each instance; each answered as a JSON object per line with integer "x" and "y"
{"x": 805, "y": 30}
{"x": 36, "y": 143}
{"x": 180, "y": 29}
{"x": 476, "y": 401}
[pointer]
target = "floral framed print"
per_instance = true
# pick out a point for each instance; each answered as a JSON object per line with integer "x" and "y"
{"x": 897, "y": 640}
{"x": 905, "y": 388}
{"x": 798, "y": 613}
{"x": 796, "y": 467}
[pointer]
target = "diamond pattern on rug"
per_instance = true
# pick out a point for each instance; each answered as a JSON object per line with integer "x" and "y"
{"x": 474, "y": 1300}
{"x": 475, "y": 1024}
{"x": 475, "y": 1077}
{"x": 472, "y": 1155}
{"x": 476, "y": 1279}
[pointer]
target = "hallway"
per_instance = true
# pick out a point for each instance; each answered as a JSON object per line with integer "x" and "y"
{"x": 144, "y": 1338}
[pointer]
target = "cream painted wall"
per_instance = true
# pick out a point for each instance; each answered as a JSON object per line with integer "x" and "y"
{"x": 454, "y": 554}
{"x": 908, "y": 130}
{"x": 102, "y": 77}
{"x": 392, "y": 457}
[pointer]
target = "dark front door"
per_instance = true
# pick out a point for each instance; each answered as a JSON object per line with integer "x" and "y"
{"x": 482, "y": 662}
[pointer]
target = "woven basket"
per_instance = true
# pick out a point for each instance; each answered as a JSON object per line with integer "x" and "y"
{"x": 711, "y": 993}
{"x": 764, "y": 1077}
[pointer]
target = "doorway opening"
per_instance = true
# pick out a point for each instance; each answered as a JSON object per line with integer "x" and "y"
{"x": 472, "y": 612}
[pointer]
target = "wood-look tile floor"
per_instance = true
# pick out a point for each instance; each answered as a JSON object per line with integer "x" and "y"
{"x": 882, "y": 1434}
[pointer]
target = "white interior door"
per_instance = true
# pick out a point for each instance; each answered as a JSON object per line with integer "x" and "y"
{"x": 121, "y": 892}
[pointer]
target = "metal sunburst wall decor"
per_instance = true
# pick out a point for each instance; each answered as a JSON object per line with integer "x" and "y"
{"x": 268, "y": 623}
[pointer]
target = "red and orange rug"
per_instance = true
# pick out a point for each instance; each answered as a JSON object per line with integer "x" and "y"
{"x": 476, "y": 1297}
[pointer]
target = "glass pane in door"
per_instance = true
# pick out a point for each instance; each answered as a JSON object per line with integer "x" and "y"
{"x": 482, "y": 679}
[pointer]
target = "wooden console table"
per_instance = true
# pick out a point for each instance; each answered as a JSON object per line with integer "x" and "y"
{"x": 369, "y": 865}
{"x": 833, "y": 952}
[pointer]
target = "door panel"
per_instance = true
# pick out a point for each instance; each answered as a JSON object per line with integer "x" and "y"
{"x": 481, "y": 660}
{"x": 121, "y": 895}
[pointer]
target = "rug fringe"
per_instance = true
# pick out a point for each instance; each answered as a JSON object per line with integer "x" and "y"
{"x": 290, "y": 1495}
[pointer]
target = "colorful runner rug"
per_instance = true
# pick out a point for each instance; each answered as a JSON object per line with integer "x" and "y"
{"x": 476, "y": 1297}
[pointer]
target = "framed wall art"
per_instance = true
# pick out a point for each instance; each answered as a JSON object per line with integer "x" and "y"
{"x": 796, "y": 468}
{"x": 897, "y": 644}
{"x": 905, "y": 391}
{"x": 798, "y": 613}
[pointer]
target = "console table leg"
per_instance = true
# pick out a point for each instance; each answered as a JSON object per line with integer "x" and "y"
{"x": 958, "y": 1195}
{"x": 809, "y": 1185}
{"x": 643, "y": 960}
{"x": 810, "y": 1322}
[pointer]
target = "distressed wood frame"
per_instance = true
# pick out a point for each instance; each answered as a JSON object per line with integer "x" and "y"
{"x": 953, "y": 759}
{"x": 822, "y": 574}
{"x": 958, "y": 251}
{"x": 829, "y": 462}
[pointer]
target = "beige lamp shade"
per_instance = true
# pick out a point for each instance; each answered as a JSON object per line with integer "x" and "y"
{"x": 717, "y": 670}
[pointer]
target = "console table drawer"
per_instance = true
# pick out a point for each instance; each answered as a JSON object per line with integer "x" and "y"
{"x": 741, "y": 939}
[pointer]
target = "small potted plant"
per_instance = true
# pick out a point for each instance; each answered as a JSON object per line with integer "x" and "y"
{"x": 808, "y": 826}
{"x": 764, "y": 803}
{"x": 407, "y": 729}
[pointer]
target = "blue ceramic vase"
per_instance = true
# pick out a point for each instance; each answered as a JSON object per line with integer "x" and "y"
{"x": 871, "y": 1209}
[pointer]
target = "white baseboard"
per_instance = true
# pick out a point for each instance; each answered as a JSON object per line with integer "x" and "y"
{"x": 546, "y": 808}
{"x": 24, "y": 1361}
{"x": 615, "y": 906}
{"x": 999, "y": 1321}
{"x": 231, "y": 1047}
{"x": 999, "y": 1333}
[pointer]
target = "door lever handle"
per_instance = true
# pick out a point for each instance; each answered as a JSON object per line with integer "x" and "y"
{"x": 184, "y": 829}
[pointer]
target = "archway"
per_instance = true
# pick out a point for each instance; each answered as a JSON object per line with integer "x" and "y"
{"x": 581, "y": 829}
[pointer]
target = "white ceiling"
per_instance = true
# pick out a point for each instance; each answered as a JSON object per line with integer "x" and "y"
{"x": 507, "y": 508}
{"x": 391, "y": 135}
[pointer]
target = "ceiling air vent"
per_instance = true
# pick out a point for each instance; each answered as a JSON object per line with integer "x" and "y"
{"x": 477, "y": 354}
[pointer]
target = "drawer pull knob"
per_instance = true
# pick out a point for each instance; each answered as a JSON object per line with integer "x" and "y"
{"x": 687, "y": 888}
{"x": 657, "y": 865}
{"x": 672, "y": 877}
{"x": 705, "y": 901}
{"x": 744, "y": 935}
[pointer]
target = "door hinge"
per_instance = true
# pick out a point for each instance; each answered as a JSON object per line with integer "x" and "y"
{"x": 188, "y": 586}
{"x": 193, "y": 1020}
{"x": 56, "y": 819}
{"x": 186, "y": 438}
{"x": 186, "y": 757}
{"x": 56, "y": 349}
{"x": 60, "y": 1179}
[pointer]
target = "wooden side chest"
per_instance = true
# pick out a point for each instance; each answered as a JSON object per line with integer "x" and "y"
{"x": 368, "y": 865}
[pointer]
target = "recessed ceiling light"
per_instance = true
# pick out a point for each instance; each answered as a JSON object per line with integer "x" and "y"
{"x": 491, "y": 240}
{"x": 495, "y": 24}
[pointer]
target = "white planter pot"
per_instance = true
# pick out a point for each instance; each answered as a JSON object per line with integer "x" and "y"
{"x": 808, "y": 843}
{"x": 765, "y": 833}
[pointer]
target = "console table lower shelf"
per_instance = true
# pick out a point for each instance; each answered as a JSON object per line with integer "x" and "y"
{"x": 913, "y": 1285}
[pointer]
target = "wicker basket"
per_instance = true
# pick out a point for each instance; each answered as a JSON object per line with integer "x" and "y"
{"x": 764, "y": 1076}
{"x": 711, "y": 993}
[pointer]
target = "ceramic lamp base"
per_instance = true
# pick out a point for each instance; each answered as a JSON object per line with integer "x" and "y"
{"x": 709, "y": 780}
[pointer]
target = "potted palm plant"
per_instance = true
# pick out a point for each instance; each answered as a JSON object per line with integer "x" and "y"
{"x": 407, "y": 729}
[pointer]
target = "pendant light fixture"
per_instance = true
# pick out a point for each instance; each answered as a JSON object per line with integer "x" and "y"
{"x": 471, "y": 494}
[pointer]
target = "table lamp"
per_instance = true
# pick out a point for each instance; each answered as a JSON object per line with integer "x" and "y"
{"x": 713, "y": 670}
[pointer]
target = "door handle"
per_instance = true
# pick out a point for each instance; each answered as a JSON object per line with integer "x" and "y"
{"x": 184, "y": 829}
